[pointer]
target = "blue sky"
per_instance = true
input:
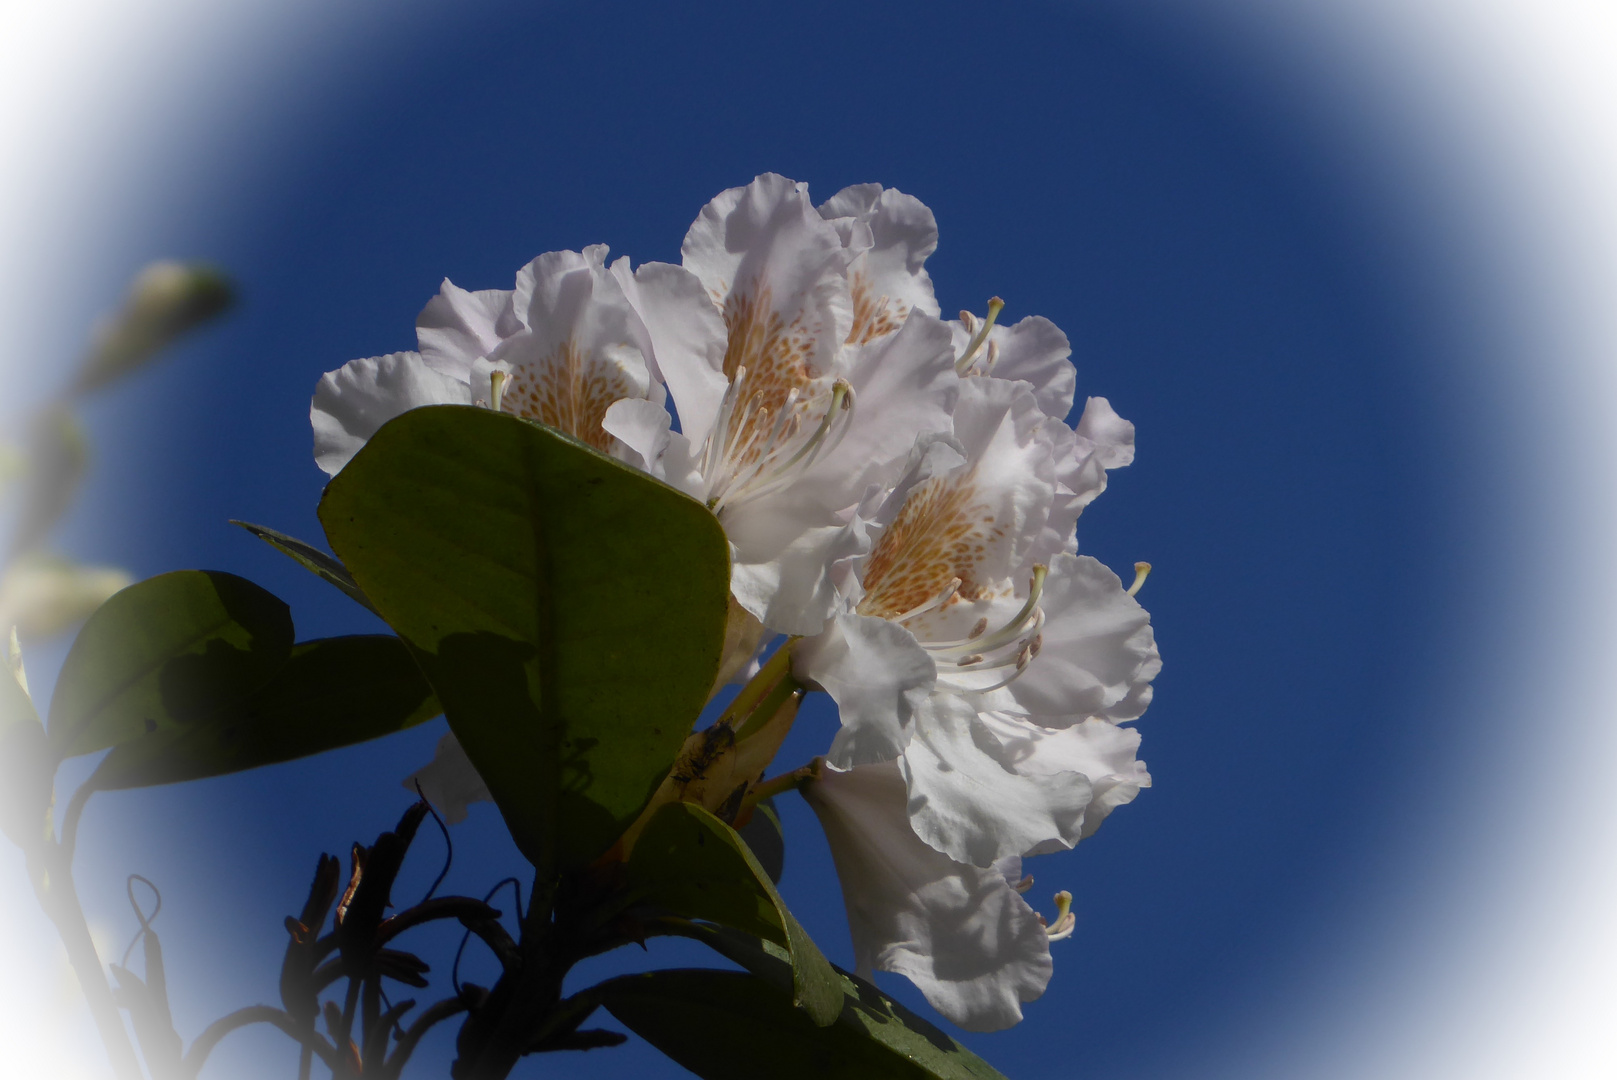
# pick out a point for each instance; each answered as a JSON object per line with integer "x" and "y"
{"x": 1272, "y": 337}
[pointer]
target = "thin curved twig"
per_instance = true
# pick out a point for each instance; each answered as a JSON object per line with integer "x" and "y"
{"x": 211, "y": 1036}
{"x": 435, "y": 1014}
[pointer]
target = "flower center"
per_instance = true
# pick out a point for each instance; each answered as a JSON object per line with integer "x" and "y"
{"x": 563, "y": 392}
{"x": 759, "y": 443}
{"x": 777, "y": 416}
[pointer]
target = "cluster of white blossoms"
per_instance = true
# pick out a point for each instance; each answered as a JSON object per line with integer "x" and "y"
{"x": 900, "y": 495}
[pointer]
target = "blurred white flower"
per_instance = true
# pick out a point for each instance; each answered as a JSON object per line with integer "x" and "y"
{"x": 42, "y": 595}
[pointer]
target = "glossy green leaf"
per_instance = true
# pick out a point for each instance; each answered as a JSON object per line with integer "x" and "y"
{"x": 317, "y": 562}
{"x": 695, "y": 865}
{"x": 766, "y": 838}
{"x": 568, "y": 610}
{"x": 732, "y": 1025}
{"x": 332, "y": 692}
{"x": 166, "y": 653}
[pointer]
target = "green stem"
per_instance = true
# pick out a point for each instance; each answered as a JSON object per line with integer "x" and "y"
{"x": 760, "y": 684}
{"x": 783, "y": 783}
{"x": 778, "y": 695}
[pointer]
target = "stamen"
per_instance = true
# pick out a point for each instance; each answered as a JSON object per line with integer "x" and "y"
{"x": 1024, "y": 885}
{"x": 1141, "y": 570}
{"x": 963, "y": 365}
{"x": 967, "y": 661}
{"x": 496, "y": 382}
{"x": 936, "y": 602}
{"x": 977, "y": 631}
{"x": 1066, "y": 922}
{"x": 992, "y": 358}
{"x": 765, "y": 476}
{"x": 1012, "y": 630}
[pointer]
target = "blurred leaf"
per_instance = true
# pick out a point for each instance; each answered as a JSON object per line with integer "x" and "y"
{"x": 333, "y": 692}
{"x": 695, "y": 865}
{"x": 766, "y": 839}
{"x": 165, "y": 300}
{"x": 56, "y": 456}
{"x": 42, "y": 595}
{"x": 166, "y": 653}
{"x": 322, "y": 565}
{"x": 731, "y": 1025}
{"x": 569, "y": 610}
{"x": 26, "y": 767}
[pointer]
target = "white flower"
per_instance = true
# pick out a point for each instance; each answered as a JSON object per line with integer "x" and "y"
{"x": 562, "y": 347}
{"x": 802, "y": 380}
{"x": 960, "y": 933}
{"x": 953, "y": 584}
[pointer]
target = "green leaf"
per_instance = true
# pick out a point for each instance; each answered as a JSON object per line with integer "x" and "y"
{"x": 766, "y": 838}
{"x": 324, "y": 566}
{"x": 695, "y": 865}
{"x": 166, "y": 653}
{"x": 568, "y": 610}
{"x": 731, "y": 1025}
{"x": 332, "y": 692}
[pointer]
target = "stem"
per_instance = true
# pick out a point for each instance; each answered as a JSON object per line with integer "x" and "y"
{"x": 783, "y": 783}
{"x": 771, "y": 704}
{"x": 760, "y": 684}
{"x": 70, "y": 821}
{"x": 253, "y": 1014}
{"x": 443, "y": 1010}
{"x": 53, "y": 885}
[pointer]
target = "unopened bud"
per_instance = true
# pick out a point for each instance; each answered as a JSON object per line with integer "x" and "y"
{"x": 165, "y": 300}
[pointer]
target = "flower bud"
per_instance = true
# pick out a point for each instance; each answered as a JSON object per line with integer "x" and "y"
{"x": 165, "y": 300}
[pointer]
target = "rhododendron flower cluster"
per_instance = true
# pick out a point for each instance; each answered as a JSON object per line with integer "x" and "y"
{"x": 900, "y": 494}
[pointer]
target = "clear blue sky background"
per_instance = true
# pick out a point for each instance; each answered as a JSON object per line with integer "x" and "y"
{"x": 1219, "y": 284}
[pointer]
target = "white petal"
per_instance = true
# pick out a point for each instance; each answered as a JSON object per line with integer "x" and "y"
{"x": 782, "y": 557}
{"x": 904, "y": 386}
{"x": 976, "y": 523}
{"x": 894, "y": 235}
{"x": 1097, "y": 749}
{"x": 1103, "y": 441}
{"x": 645, "y": 441}
{"x": 769, "y": 261}
{"x": 687, "y": 339}
{"x": 1110, "y": 434}
{"x": 449, "y": 781}
{"x": 1098, "y": 655}
{"x": 960, "y": 933}
{"x": 351, "y": 403}
{"x": 1034, "y": 351}
{"x": 457, "y": 326}
{"x": 969, "y": 805}
{"x": 877, "y": 674}
{"x": 584, "y": 347}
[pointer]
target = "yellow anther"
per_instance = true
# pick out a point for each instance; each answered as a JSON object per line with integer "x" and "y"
{"x": 1141, "y": 571}
{"x": 1066, "y": 922}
